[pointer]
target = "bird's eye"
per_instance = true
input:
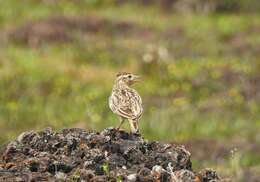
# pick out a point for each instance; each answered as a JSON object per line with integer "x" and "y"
{"x": 129, "y": 76}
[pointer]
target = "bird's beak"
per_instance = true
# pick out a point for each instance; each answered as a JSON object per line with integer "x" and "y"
{"x": 137, "y": 78}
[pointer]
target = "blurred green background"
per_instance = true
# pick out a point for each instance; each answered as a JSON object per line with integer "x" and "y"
{"x": 199, "y": 61}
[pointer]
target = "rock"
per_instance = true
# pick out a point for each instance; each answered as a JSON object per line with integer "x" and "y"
{"x": 208, "y": 175}
{"x": 109, "y": 155}
{"x": 184, "y": 176}
{"x": 60, "y": 176}
{"x": 131, "y": 177}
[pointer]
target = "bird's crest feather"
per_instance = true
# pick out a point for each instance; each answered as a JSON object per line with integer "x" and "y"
{"x": 121, "y": 73}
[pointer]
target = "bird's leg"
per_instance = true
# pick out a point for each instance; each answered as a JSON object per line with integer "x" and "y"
{"x": 121, "y": 122}
{"x": 134, "y": 126}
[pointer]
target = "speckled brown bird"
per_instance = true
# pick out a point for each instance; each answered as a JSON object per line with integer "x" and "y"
{"x": 125, "y": 101}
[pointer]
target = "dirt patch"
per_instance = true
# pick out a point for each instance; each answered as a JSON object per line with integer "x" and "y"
{"x": 208, "y": 149}
{"x": 66, "y": 29}
{"x": 214, "y": 150}
{"x": 239, "y": 45}
{"x": 111, "y": 155}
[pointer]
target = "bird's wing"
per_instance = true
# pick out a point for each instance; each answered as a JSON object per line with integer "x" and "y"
{"x": 127, "y": 104}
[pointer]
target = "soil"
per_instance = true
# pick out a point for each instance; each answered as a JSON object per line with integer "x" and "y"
{"x": 63, "y": 29}
{"x": 110, "y": 155}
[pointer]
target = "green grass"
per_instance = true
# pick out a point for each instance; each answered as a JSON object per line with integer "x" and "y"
{"x": 202, "y": 88}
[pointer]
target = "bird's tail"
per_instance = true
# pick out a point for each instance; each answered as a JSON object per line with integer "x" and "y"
{"x": 134, "y": 125}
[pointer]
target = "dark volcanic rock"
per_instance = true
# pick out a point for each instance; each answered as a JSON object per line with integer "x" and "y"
{"x": 111, "y": 155}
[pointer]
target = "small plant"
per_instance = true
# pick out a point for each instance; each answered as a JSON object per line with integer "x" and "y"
{"x": 235, "y": 163}
{"x": 105, "y": 168}
{"x": 118, "y": 179}
{"x": 75, "y": 177}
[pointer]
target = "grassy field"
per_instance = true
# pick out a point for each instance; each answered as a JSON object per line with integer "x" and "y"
{"x": 201, "y": 75}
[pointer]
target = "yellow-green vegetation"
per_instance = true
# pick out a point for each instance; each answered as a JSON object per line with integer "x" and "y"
{"x": 201, "y": 73}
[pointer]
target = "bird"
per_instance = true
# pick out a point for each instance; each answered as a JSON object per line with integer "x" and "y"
{"x": 125, "y": 101}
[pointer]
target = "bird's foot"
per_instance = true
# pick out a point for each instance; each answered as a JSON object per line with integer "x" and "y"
{"x": 118, "y": 129}
{"x": 136, "y": 133}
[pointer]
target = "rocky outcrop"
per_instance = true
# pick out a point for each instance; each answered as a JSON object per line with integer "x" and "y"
{"x": 111, "y": 155}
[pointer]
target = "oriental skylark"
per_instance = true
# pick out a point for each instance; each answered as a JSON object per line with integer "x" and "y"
{"x": 125, "y": 101}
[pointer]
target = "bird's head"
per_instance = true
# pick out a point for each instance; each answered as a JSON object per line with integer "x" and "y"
{"x": 127, "y": 78}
